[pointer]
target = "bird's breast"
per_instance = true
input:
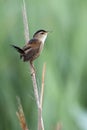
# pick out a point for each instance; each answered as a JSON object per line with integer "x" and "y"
{"x": 41, "y": 47}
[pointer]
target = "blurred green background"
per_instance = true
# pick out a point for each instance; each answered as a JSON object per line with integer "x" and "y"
{"x": 65, "y": 54}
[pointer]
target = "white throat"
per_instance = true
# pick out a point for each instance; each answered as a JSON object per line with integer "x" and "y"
{"x": 43, "y": 38}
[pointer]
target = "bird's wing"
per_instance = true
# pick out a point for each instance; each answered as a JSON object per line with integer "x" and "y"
{"x": 31, "y": 49}
{"x": 32, "y": 44}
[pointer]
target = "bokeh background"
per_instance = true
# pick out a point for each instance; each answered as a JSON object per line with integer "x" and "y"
{"x": 65, "y": 54}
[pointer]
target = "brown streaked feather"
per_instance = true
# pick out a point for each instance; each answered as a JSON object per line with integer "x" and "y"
{"x": 31, "y": 50}
{"x": 26, "y": 47}
{"x": 31, "y": 54}
{"x": 33, "y": 43}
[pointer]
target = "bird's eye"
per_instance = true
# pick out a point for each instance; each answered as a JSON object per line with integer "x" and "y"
{"x": 42, "y": 33}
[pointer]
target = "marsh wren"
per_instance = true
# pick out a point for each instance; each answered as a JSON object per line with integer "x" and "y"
{"x": 34, "y": 47}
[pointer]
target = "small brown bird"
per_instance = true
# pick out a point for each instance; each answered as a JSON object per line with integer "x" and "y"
{"x": 34, "y": 47}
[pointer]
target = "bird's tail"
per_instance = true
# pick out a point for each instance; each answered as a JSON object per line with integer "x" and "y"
{"x": 21, "y": 51}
